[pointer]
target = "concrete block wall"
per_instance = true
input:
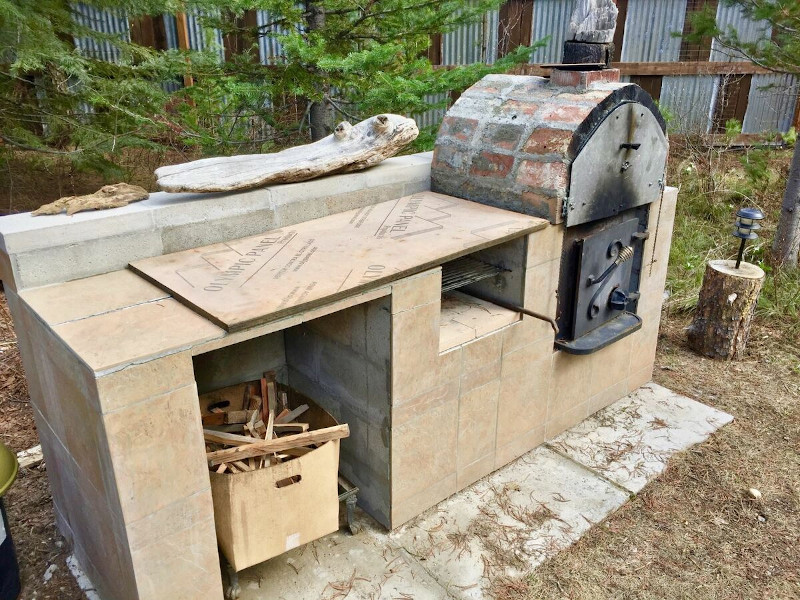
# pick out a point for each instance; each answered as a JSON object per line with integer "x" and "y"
{"x": 37, "y": 251}
{"x": 342, "y": 362}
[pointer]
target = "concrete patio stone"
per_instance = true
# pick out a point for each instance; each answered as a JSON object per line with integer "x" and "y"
{"x": 631, "y": 441}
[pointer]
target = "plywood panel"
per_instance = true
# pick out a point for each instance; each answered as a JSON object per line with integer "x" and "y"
{"x": 261, "y": 278}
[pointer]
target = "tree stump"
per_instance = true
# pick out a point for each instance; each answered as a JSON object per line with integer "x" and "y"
{"x": 725, "y": 309}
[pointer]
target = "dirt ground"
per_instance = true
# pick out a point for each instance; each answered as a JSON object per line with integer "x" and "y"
{"x": 693, "y": 533}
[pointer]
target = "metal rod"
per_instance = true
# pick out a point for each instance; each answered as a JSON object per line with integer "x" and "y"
{"x": 516, "y": 308}
{"x": 741, "y": 253}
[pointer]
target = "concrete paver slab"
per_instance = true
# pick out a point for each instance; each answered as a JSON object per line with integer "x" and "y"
{"x": 631, "y": 441}
{"x": 509, "y": 522}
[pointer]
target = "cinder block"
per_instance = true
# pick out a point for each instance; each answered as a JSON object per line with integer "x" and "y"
{"x": 56, "y": 264}
{"x": 184, "y": 236}
{"x": 7, "y": 272}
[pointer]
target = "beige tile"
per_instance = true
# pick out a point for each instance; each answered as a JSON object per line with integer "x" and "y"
{"x": 481, "y": 317}
{"x": 482, "y": 351}
{"x": 571, "y": 377}
{"x": 182, "y": 565}
{"x": 173, "y": 517}
{"x": 136, "y": 334}
{"x": 453, "y": 334}
{"x": 545, "y": 245}
{"x": 564, "y": 420}
{"x": 519, "y": 446}
{"x": 439, "y": 490}
{"x": 608, "y": 396}
{"x": 610, "y": 365}
{"x": 445, "y": 393}
{"x": 423, "y": 450}
{"x": 417, "y": 290}
{"x": 450, "y": 365}
{"x": 643, "y": 344}
{"x": 471, "y": 473}
{"x": 477, "y": 423}
{"x": 524, "y": 393}
{"x": 91, "y": 296}
{"x": 139, "y": 382}
{"x": 473, "y": 378}
{"x": 415, "y": 347}
{"x": 541, "y": 283}
{"x": 158, "y": 452}
{"x": 638, "y": 378}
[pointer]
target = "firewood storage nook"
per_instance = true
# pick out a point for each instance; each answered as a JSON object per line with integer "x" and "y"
{"x": 354, "y": 289}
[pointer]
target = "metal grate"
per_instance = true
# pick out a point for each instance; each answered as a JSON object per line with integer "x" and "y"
{"x": 466, "y": 270}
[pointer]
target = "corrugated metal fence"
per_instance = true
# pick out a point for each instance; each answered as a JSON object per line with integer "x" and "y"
{"x": 697, "y": 103}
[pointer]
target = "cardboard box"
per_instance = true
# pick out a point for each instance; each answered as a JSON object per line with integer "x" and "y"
{"x": 263, "y": 513}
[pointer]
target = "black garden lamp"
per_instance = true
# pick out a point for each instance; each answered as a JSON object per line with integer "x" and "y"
{"x": 746, "y": 227}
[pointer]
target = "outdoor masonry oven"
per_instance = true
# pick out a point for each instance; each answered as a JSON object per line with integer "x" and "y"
{"x": 582, "y": 150}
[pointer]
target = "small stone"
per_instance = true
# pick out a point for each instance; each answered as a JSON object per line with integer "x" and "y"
{"x": 754, "y": 493}
{"x": 48, "y": 574}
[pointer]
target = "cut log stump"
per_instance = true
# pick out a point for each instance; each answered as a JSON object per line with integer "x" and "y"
{"x": 725, "y": 309}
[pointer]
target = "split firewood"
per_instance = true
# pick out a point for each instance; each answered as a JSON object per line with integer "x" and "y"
{"x": 293, "y": 415}
{"x": 241, "y": 465}
{"x": 108, "y": 196}
{"x": 233, "y": 417}
{"x": 290, "y": 427}
{"x": 284, "y": 402}
{"x": 282, "y": 414}
{"x": 270, "y": 425}
{"x": 261, "y": 448}
{"x": 222, "y": 468}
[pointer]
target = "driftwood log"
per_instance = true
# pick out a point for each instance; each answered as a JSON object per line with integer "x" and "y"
{"x": 349, "y": 148}
{"x": 725, "y": 309}
{"x": 108, "y": 196}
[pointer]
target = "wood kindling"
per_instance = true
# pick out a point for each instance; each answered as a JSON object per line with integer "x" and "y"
{"x": 289, "y": 442}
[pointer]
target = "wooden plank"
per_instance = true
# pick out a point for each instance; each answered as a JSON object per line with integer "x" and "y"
{"x": 260, "y": 279}
{"x": 318, "y": 436}
{"x": 514, "y": 26}
{"x": 222, "y": 437}
{"x": 619, "y": 32}
{"x": 293, "y": 415}
{"x": 663, "y": 68}
{"x": 182, "y": 26}
{"x": 287, "y": 427}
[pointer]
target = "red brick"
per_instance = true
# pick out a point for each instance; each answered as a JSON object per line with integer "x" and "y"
{"x": 582, "y": 79}
{"x": 566, "y": 113}
{"x": 547, "y": 207}
{"x": 491, "y": 164}
{"x": 548, "y": 141}
{"x": 505, "y": 135}
{"x": 543, "y": 175}
{"x": 447, "y": 157}
{"x": 458, "y": 128}
{"x": 517, "y": 107}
